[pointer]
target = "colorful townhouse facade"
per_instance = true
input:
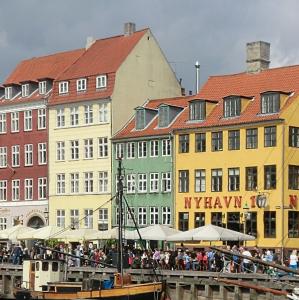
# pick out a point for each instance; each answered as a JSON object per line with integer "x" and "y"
{"x": 145, "y": 146}
{"x": 237, "y": 153}
{"x": 24, "y": 139}
{"x": 91, "y": 100}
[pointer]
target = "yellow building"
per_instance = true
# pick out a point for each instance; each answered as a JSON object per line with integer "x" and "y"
{"x": 237, "y": 154}
{"x": 91, "y": 100}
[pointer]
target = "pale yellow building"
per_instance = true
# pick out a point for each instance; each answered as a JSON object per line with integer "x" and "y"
{"x": 90, "y": 102}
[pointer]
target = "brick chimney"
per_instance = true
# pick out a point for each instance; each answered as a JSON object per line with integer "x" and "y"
{"x": 129, "y": 28}
{"x": 258, "y": 56}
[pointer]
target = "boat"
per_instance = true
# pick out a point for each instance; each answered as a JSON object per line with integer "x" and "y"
{"x": 45, "y": 279}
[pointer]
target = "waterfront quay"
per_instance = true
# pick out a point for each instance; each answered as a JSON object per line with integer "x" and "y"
{"x": 187, "y": 285}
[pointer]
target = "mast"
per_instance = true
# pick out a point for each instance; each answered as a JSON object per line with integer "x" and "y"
{"x": 120, "y": 190}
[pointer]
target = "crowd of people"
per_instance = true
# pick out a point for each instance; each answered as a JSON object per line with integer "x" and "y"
{"x": 180, "y": 259}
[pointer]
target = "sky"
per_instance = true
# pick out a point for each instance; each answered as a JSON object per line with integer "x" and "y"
{"x": 212, "y": 32}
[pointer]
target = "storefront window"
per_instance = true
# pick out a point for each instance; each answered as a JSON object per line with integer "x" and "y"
{"x": 183, "y": 221}
{"x": 199, "y": 219}
{"x": 293, "y": 225}
{"x": 269, "y": 224}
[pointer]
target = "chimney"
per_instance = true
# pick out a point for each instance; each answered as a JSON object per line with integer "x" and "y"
{"x": 89, "y": 42}
{"x": 129, "y": 28}
{"x": 258, "y": 56}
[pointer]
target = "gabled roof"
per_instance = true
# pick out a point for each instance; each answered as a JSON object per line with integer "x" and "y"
{"x": 284, "y": 79}
{"x": 129, "y": 131}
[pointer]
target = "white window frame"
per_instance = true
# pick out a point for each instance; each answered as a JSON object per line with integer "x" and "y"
{"x": 101, "y": 81}
{"x": 74, "y": 145}
{"x": 42, "y": 188}
{"x": 28, "y": 120}
{"x": 88, "y": 114}
{"x": 63, "y": 87}
{"x": 119, "y": 150}
{"x": 3, "y": 127}
{"x": 60, "y": 151}
{"x": 154, "y": 182}
{"x": 8, "y": 92}
{"x": 28, "y": 189}
{"x": 142, "y": 183}
{"x": 166, "y": 147}
{"x": 88, "y": 218}
{"x": 142, "y": 216}
{"x": 60, "y": 118}
{"x": 88, "y": 182}
{"x": 131, "y": 183}
{"x": 88, "y": 148}
{"x": 60, "y": 218}
{"x": 154, "y": 215}
{"x": 131, "y": 148}
{"x": 103, "y": 218}
{"x": 142, "y": 149}
{"x": 28, "y": 149}
{"x": 3, "y": 223}
{"x": 103, "y": 182}
{"x": 81, "y": 84}
{"x": 103, "y": 147}
{"x": 60, "y": 183}
{"x": 166, "y": 182}
{"x": 154, "y": 148}
{"x": 42, "y": 87}
{"x": 42, "y": 153}
{"x": 103, "y": 113}
{"x": 25, "y": 90}
{"x": 15, "y": 125}
{"x": 3, "y": 190}
{"x": 200, "y": 180}
{"x": 74, "y": 116}
{"x": 15, "y": 156}
{"x": 15, "y": 190}
{"x": 42, "y": 118}
{"x": 166, "y": 215}
{"x": 3, "y": 157}
{"x": 74, "y": 218}
{"x": 74, "y": 183}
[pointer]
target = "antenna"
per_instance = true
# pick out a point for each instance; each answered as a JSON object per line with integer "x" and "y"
{"x": 197, "y": 67}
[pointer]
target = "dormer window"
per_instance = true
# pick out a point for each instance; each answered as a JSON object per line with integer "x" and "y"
{"x": 101, "y": 81}
{"x": 42, "y": 87}
{"x": 140, "y": 119}
{"x": 163, "y": 116}
{"x": 8, "y": 92}
{"x": 25, "y": 90}
{"x": 232, "y": 107}
{"x": 81, "y": 85}
{"x": 270, "y": 103}
{"x": 197, "y": 110}
{"x": 63, "y": 87}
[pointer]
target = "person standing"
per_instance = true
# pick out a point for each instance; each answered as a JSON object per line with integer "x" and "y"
{"x": 294, "y": 260}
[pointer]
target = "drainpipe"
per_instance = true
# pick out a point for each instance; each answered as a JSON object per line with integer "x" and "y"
{"x": 282, "y": 191}
{"x": 172, "y": 139}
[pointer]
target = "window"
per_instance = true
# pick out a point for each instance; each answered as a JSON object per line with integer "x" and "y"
{"x": 166, "y": 215}
{"x": 197, "y": 110}
{"x": 60, "y": 117}
{"x": 42, "y": 153}
{"x": 81, "y": 84}
{"x": 199, "y": 219}
{"x": 3, "y": 190}
{"x": 63, "y": 87}
{"x": 216, "y": 180}
{"x": 42, "y": 87}
{"x": 14, "y": 121}
{"x": 28, "y": 155}
{"x": 142, "y": 183}
{"x": 154, "y": 148}
{"x": 200, "y": 142}
{"x": 251, "y": 138}
{"x": 15, "y": 184}
{"x": 28, "y": 186}
{"x": 103, "y": 182}
{"x": 88, "y": 218}
{"x": 131, "y": 183}
{"x": 74, "y": 178}
{"x": 232, "y": 107}
{"x": 270, "y": 103}
{"x": 154, "y": 215}
{"x": 166, "y": 147}
{"x": 60, "y": 218}
{"x": 234, "y": 140}
{"x": 42, "y": 188}
{"x": 74, "y": 218}
{"x": 154, "y": 182}
{"x": 142, "y": 216}
{"x": 60, "y": 151}
{"x": 251, "y": 223}
{"x": 217, "y": 218}
{"x": 101, "y": 81}
{"x": 217, "y": 141}
{"x": 3, "y": 223}
{"x": 131, "y": 216}
{"x": 140, "y": 119}
{"x": 103, "y": 113}
{"x": 163, "y": 116}
{"x": 119, "y": 150}
{"x": 60, "y": 183}
{"x": 200, "y": 180}
{"x": 183, "y": 221}
{"x": 251, "y": 178}
{"x": 293, "y": 177}
{"x": 88, "y": 113}
{"x": 131, "y": 150}
{"x": 25, "y": 90}
{"x": 103, "y": 147}
{"x": 88, "y": 182}
{"x": 2, "y": 123}
{"x": 88, "y": 148}
{"x": 142, "y": 149}
{"x": 42, "y": 118}
{"x": 269, "y": 224}
{"x": 293, "y": 136}
{"x": 3, "y": 157}
{"x": 27, "y": 120}
{"x": 74, "y": 149}
{"x": 270, "y": 177}
{"x": 270, "y": 136}
{"x": 293, "y": 224}
{"x": 166, "y": 182}
{"x": 183, "y": 181}
{"x": 233, "y": 179}
{"x": 74, "y": 114}
{"x": 184, "y": 143}
{"x": 103, "y": 219}
{"x": 15, "y": 158}
{"x": 8, "y": 92}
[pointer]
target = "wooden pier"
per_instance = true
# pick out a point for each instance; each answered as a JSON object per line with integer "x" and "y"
{"x": 187, "y": 285}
